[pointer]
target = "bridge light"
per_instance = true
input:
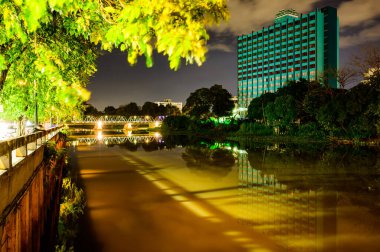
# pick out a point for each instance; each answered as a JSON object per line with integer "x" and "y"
{"x": 129, "y": 125}
{"x": 100, "y": 125}
{"x": 157, "y": 135}
{"x": 100, "y": 136}
{"x": 129, "y": 133}
{"x": 156, "y": 124}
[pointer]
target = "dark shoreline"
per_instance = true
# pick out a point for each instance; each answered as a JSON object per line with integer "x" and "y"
{"x": 276, "y": 139}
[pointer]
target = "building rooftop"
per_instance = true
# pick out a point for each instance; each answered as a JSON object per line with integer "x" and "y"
{"x": 284, "y": 15}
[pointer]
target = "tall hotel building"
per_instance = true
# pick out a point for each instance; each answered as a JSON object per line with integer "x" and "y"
{"x": 296, "y": 46}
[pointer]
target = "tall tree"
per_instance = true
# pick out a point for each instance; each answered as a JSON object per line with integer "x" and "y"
{"x": 199, "y": 103}
{"x": 171, "y": 110}
{"x": 256, "y": 107}
{"x": 214, "y": 101}
{"x": 222, "y": 104}
{"x": 48, "y": 47}
{"x": 282, "y": 112}
{"x": 130, "y": 109}
{"x": 150, "y": 108}
{"x": 110, "y": 110}
{"x": 91, "y": 110}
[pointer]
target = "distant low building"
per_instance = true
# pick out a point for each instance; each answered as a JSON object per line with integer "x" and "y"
{"x": 166, "y": 102}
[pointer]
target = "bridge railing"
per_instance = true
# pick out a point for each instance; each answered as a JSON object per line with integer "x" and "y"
{"x": 118, "y": 119}
{"x": 15, "y": 149}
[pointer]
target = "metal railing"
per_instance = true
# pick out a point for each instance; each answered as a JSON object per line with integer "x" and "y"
{"x": 115, "y": 139}
{"x": 117, "y": 119}
{"x": 14, "y": 150}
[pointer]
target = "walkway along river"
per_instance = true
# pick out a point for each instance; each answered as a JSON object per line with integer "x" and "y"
{"x": 162, "y": 196}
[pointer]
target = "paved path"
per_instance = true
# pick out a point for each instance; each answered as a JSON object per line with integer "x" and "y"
{"x": 130, "y": 209}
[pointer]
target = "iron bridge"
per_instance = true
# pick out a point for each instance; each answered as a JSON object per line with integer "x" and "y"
{"x": 110, "y": 140}
{"x": 117, "y": 119}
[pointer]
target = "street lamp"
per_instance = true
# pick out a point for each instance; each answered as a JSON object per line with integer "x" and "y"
{"x": 35, "y": 104}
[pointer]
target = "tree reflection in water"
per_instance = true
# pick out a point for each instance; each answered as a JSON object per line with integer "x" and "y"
{"x": 217, "y": 161}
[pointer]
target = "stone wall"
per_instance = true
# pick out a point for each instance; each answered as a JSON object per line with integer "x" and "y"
{"x": 30, "y": 209}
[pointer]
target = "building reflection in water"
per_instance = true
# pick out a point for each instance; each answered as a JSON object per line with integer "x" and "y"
{"x": 307, "y": 205}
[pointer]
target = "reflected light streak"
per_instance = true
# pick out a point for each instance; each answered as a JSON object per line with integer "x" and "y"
{"x": 232, "y": 233}
{"x": 171, "y": 192}
{"x": 196, "y": 209}
{"x": 161, "y": 185}
{"x": 99, "y": 136}
{"x": 99, "y": 125}
{"x": 186, "y": 202}
{"x": 180, "y": 198}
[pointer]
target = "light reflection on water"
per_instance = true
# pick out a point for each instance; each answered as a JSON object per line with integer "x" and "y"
{"x": 306, "y": 198}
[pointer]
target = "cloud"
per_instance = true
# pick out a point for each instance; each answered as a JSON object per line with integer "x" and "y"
{"x": 358, "y": 12}
{"x": 358, "y": 18}
{"x": 249, "y": 15}
{"x": 358, "y": 21}
{"x": 367, "y": 35}
{"x": 221, "y": 47}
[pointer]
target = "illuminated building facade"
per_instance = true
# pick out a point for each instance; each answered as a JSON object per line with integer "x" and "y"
{"x": 296, "y": 46}
{"x": 166, "y": 102}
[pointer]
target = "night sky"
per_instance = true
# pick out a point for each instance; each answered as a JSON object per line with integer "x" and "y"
{"x": 116, "y": 83}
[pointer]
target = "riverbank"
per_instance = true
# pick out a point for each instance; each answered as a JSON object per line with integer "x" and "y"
{"x": 235, "y": 136}
{"x": 301, "y": 139}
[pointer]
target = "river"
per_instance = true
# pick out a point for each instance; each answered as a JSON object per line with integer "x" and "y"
{"x": 149, "y": 193}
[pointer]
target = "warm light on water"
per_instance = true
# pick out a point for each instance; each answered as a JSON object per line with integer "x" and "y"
{"x": 99, "y": 135}
{"x": 99, "y": 125}
{"x": 300, "y": 199}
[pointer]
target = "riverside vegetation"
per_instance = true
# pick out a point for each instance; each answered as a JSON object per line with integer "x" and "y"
{"x": 301, "y": 110}
{"x": 72, "y": 201}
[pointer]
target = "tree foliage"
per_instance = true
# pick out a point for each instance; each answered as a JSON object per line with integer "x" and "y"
{"x": 206, "y": 102}
{"x": 175, "y": 123}
{"x": 257, "y": 105}
{"x": 198, "y": 103}
{"x": 282, "y": 112}
{"x": 132, "y": 109}
{"x": 49, "y": 47}
{"x": 150, "y": 108}
{"x": 350, "y": 113}
{"x": 110, "y": 110}
{"x": 221, "y": 103}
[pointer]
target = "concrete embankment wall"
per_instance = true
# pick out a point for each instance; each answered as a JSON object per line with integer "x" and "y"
{"x": 29, "y": 201}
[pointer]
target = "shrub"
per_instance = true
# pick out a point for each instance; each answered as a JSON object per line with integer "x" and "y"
{"x": 255, "y": 129}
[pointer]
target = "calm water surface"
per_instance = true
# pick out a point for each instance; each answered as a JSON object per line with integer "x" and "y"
{"x": 304, "y": 197}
